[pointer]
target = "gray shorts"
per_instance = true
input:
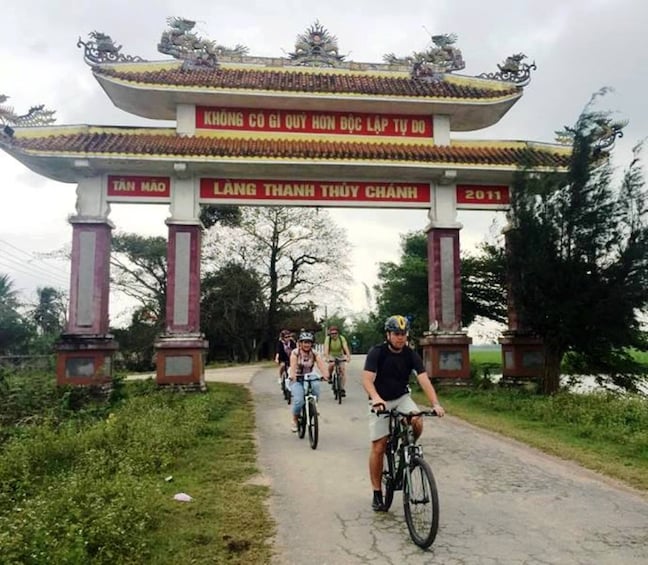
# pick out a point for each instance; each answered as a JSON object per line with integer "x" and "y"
{"x": 379, "y": 425}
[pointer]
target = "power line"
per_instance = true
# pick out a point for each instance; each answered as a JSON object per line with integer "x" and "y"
{"x": 32, "y": 270}
{"x": 34, "y": 263}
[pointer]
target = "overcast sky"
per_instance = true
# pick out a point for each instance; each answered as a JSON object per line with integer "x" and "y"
{"x": 579, "y": 46}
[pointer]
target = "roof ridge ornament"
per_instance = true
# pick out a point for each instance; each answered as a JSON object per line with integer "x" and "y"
{"x": 102, "y": 49}
{"x": 513, "y": 70}
{"x": 35, "y": 116}
{"x": 195, "y": 52}
{"x": 316, "y": 47}
{"x": 431, "y": 64}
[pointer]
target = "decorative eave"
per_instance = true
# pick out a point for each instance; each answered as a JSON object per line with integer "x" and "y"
{"x": 70, "y": 153}
{"x": 154, "y": 90}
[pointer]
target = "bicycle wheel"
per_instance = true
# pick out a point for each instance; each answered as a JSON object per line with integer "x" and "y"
{"x": 338, "y": 384}
{"x": 301, "y": 423}
{"x": 287, "y": 393}
{"x": 334, "y": 384}
{"x": 388, "y": 477}
{"x": 421, "y": 503}
{"x": 313, "y": 425}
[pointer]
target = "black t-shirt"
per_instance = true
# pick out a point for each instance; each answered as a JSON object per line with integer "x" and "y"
{"x": 392, "y": 379}
{"x": 283, "y": 349}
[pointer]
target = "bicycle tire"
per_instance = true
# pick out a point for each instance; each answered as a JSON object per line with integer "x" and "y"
{"x": 288, "y": 394}
{"x": 421, "y": 503}
{"x": 388, "y": 477}
{"x": 339, "y": 387}
{"x": 301, "y": 423}
{"x": 313, "y": 424}
{"x": 334, "y": 384}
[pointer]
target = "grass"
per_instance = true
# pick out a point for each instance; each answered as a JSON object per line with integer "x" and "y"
{"x": 603, "y": 432}
{"x": 94, "y": 486}
{"x": 85, "y": 479}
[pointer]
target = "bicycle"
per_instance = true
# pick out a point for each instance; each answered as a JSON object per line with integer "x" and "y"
{"x": 336, "y": 379}
{"x": 404, "y": 468}
{"x": 308, "y": 417}
{"x": 284, "y": 382}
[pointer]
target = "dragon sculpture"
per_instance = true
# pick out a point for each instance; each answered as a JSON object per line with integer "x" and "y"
{"x": 36, "y": 116}
{"x": 182, "y": 43}
{"x": 431, "y": 64}
{"x": 513, "y": 70}
{"x": 101, "y": 48}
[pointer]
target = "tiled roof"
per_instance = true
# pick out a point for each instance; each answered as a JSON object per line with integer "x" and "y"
{"x": 148, "y": 144}
{"x": 311, "y": 82}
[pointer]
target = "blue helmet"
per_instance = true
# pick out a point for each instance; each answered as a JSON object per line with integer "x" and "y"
{"x": 397, "y": 324}
{"x": 306, "y": 336}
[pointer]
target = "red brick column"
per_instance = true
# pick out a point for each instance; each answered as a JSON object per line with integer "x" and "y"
{"x": 445, "y": 348}
{"x": 86, "y": 348}
{"x": 180, "y": 350}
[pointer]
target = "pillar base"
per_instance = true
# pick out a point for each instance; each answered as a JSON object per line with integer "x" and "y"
{"x": 522, "y": 356}
{"x": 180, "y": 361}
{"x": 446, "y": 356}
{"x": 85, "y": 360}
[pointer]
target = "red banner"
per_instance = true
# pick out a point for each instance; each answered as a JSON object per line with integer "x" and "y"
{"x": 251, "y": 191}
{"x": 482, "y": 196}
{"x": 287, "y": 121}
{"x": 138, "y": 187}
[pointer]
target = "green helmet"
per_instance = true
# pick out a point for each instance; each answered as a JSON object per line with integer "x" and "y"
{"x": 397, "y": 324}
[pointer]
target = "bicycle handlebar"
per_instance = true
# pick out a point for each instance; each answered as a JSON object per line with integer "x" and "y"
{"x": 384, "y": 412}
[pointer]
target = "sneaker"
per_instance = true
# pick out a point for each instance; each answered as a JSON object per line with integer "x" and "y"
{"x": 293, "y": 427}
{"x": 377, "y": 502}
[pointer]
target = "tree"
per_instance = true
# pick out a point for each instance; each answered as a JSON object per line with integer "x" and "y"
{"x": 403, "y": 286}
{"x": 232, "y": 312}
{"x": 48, "y": 317}
{"x": 298, "y": 252}
{"x": 578, "y": 252}
{"x": 139, "y": 270}
{"x": 15, "y": 332}
{"x": 50, "y": 311}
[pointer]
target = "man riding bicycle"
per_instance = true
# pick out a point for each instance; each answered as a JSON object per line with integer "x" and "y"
{"x": 285, "y": 345}
{"x": 335, "y": 346}
{"x": 386, "y": 377}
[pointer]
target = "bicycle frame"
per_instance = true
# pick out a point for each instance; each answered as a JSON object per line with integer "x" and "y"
{"x": 308, "y": 418}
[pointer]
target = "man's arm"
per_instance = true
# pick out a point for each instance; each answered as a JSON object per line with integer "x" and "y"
{"x": 430, "y": 392}
{"x": 345, "y": 348}
{"x": 368, "y": 379}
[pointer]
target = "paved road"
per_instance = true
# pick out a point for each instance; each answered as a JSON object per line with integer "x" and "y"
{"x": 501, "y": 502}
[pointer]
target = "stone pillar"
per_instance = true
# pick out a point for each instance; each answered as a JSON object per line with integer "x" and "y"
{"x": 445, "y": 346}
{"x": 86, "y": 348}
{"x": 522, "y": 351}
{"x": 180, "y": 350}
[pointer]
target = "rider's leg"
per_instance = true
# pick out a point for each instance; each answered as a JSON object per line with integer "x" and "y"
{"x": 417, "y": 426}
{"x": 376, "y": 455}
{"x": 297, "y": 391}
{"x": 343, "y": 377}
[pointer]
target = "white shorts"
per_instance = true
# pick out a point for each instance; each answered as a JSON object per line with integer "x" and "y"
{"x": 379, "y": 425}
